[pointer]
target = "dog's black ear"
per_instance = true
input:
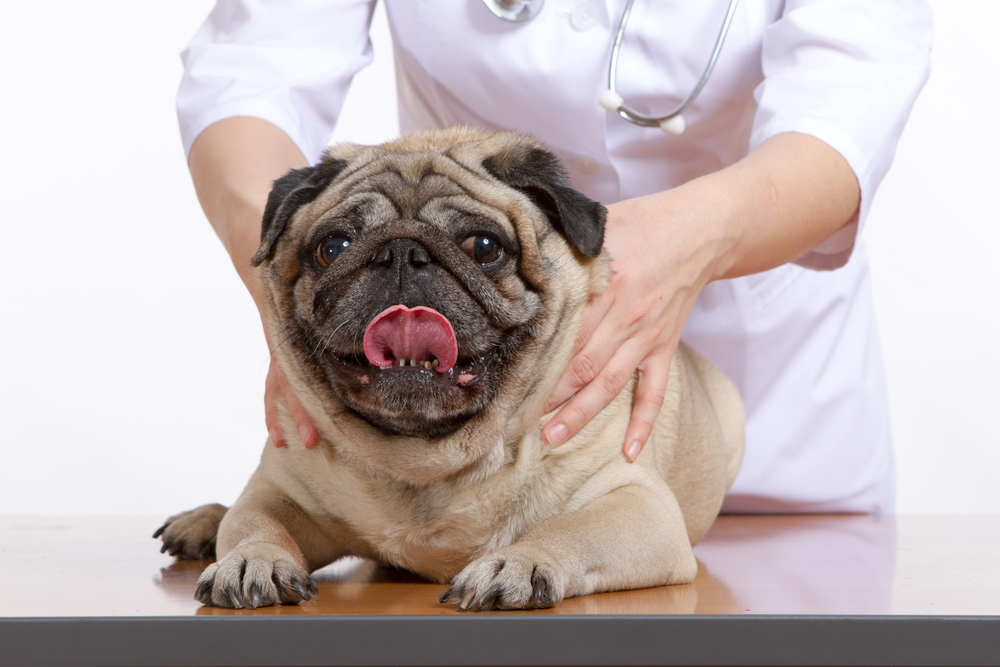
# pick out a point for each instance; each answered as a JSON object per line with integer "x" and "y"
{"x": 539, "y": 174}
{"x": 290, "y": 192}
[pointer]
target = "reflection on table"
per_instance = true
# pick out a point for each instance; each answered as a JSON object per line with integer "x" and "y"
{"x": 839, "y": 565}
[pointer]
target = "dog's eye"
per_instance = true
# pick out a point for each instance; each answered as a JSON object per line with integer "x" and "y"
{"x": 482, "y": 249}
{"x": 330, "y": 248}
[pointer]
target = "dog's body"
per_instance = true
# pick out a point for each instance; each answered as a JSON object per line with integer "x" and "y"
{"x": 438, "y": 467}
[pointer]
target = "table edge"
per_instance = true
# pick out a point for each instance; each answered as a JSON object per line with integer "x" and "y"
{"x": 500, "y": 639}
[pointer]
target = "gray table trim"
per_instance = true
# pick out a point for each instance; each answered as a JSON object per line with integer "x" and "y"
{"x": 252, "y": 641}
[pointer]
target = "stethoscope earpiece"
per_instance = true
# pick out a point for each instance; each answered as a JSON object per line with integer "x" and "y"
{"x": 611, "y": 100}
{"x": 674, "y": 125}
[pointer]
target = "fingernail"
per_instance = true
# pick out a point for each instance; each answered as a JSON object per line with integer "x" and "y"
{"x": 304, "y": 435}
{"x": 273, "y": 434}
{"x": 632, "y": 451}
{"x": 554, "y": 435}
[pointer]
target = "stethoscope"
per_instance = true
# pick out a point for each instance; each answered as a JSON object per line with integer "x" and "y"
{"x": 672, "y": 122}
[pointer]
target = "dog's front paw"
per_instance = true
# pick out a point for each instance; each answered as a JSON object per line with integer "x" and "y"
{"x": 505, "y": 580}
{"x": 258, "y": 575}
{"x": 191, "y": 535}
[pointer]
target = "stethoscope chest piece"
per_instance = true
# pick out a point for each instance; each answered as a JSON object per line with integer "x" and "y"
{"x": 515, "y": 11}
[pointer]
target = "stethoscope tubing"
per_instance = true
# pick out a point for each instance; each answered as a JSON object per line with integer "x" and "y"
{"x": 644, "y": 120}
{"x": 672, "y": 122}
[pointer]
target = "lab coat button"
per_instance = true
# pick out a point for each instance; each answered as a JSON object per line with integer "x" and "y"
{"x": 584, "y": 16}
{"x": 587, "y": 166}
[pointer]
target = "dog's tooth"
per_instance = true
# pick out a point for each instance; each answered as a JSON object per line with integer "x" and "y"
{"x": 435, "y": 363}
{"x": 402, "y": 362}
{"x": 428, "y": 365}
{"x": 413, "y": 362}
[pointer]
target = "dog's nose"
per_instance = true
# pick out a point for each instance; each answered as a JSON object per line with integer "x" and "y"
{"x": 403, "y": 253}
{"x": 405, "y": 271}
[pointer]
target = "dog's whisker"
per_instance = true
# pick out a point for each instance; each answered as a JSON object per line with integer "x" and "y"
{"x": 271, "y": 354}
{"x": 323, "y": 343}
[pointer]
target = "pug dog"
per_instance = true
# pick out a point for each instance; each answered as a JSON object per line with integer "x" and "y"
{"x": 424, "y": 297}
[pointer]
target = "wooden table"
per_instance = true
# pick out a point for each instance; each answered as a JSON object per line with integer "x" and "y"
{"x": 771, "y": 590}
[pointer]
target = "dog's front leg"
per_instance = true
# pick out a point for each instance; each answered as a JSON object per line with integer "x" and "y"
{"x": 633, "y": 537}
{"x": 260, "y": 563}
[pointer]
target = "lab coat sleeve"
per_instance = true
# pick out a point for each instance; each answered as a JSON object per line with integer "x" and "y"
{"x": 848, "y": 73}
{"x": 288, "y": 62}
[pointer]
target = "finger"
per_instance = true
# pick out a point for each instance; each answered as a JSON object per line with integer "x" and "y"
{"x": 594, "y": 397}
{"x": 307, "y": 432}
{"x": 271, "y": 421}
{"x": 651, "y": 388}
{"x": 583, "y": 368}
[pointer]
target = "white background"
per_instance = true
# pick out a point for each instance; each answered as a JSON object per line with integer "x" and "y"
{"x": 131, "y": 358}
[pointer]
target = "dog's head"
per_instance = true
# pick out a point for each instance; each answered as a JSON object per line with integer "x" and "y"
{"x": 425, "y": 293}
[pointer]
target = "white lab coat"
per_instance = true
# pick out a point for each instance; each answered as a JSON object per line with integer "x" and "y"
{"x": 799, "y": 341}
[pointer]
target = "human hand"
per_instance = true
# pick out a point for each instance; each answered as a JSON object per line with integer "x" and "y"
{"x": 663, "y": 250}
{"x": 276, "y": 383}
{"x": 786, "y": 197}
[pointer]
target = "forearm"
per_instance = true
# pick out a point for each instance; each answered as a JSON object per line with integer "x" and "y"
{"x": 781, "y": 201}
{"x": 233, "y": 165}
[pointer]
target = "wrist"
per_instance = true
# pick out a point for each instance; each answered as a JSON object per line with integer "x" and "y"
{"x": 701, "y": 221}
{"x": 720, "y": 200}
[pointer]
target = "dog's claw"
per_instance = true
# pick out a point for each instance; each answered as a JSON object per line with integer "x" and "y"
{"x": 297, "y": 586}
{"x": 159, "y": 531}
{"x": 541, "y": 595}
{"x": 471, "y": 593}
{"x": 254, "y": 595}
{"x": 444, "y": 597}
{"x": 234, "y": 599}
{"x": 489, "y": 602}
{"x": 201, "y": 593}
{"x": 313, "y": 588}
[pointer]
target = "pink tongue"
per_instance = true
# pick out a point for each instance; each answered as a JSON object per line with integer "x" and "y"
{"x": 420, "y": 334}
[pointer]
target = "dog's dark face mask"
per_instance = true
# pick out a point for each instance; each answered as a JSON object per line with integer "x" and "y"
{"x": 401, "y": 293}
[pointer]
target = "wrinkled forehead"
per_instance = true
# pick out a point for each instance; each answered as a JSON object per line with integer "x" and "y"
{"x": 431, "y": 187}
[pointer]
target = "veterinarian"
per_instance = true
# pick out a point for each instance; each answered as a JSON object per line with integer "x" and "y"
{"x": 742, "y": 235}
